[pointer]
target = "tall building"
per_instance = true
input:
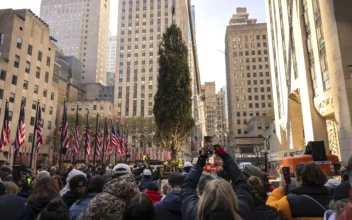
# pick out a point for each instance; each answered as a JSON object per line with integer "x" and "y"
{"x": 82, "y": 30}
{"x": 215, "y": 113}
{"x": 111, "y": 61}
{"x": 247, "y": 72}
{"x": 27, "y": 59}
{"x": 140, "y": 28}
{"x": 311, "y": 59}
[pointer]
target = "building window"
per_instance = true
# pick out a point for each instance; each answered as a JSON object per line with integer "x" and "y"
{"x": 239, "y": 131}
{"x": 14, "y": 80}
{"x": 19, "y": 42}
{"x": 263, "y": 105}
{"x": 3, "y": 75}
{"x": 94, "y": 107}
{"x": 37, "y": 73}
{"x": 238, "y": 121}
{"x": 45, "y": 92}
{"x": 30, "y": 138}
{"x": 1, "y": 93}
{"x": 259, "y": 126}
{"x": 51, "y": 109}
{"x": 49, "y": 124}
{"x": 34, "y": 105}
{"x": 238, "y": 114}
{"x": 25, "y": 84}
{"x": 52, "y": 96}
{"x": 30, "y": 48}
{"x": 2, "y": 38}
{"x": 48, "y": 61}
{"x": 32, "y": 121}
{"x": 36, "y": 88}
{"x": 40, "y": 55}
{"x": 46, "y": 77}
{"x": 12, "y": 97}
{"x": 28, "y": 67}
{"x": 43, "y": 107}
{"x": 17, "y": 61}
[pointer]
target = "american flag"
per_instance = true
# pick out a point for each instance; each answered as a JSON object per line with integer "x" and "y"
{"x": 108, "y": 150}
{"x": 64, "y": 131}
{"x": 120, "y": 143}
{"x": 76, "y": 136}
{"x": 114, "y": 139}
{"x": 39, "y": 130}
{"x": 21, "y": 130}
{"x": 97, "y": 139}
{"x": 5, "y": 132}
{"x": 126, "y": 144}
{"x": 87, "y": 138}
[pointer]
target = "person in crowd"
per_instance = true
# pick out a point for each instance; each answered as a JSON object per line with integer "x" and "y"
{"x": 343, "y": 173}
{"x": 222, "y": 174}
{"x": 77, "y": 188}
{"x": 203, "y": 180}
{"x": 152, "y": 191}
{"x": 108, "y": 172}
{"x": 309, "y": 148}
{"x": 11, "y": 207}
{"x": 120, "y": 170}
{"x": 164, "y": 190}
{"x": 95, "y": 186}
{"x": 218, "y": 200}
{"x": 139, "y": 207}
{"x": 44, "y": 191}
{"x": 170, "y": 207}
{"x": 187, "y": 167}
{"x": 311, "y": 200}
{"x": 53, "y": 171}
{"x": 6, "y": 173}
{"x": 65, "y": 174}
{"x": 11, "y": 188}
{"x": 42, "y": 174}
{"x": 331, "y": 185}
{"x": 251, "y": 170}
{"x": 55, "y": 210}
{"x": 157, "y": 174}
{"x": 339, "y": 202}
{"x": 347, "y": 211}
{"x": 147, "y": 177}
{"x": 111, "y": 203}
{"x": 59, "y": 182}
{"x": 73, "y": 173}
{"x": 263, "y": 211}
{"x": 138, "y": 172}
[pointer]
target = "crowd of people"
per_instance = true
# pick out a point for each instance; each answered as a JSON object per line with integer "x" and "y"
{"x": 137, "y": 193}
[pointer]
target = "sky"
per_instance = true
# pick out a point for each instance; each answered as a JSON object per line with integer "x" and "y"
{"x": 212, "y": 17}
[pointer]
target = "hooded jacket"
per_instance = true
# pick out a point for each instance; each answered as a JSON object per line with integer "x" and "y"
{"x": 77, "y": 208}
{"x": 155, "y": 196}
{"x": 71, "y": 197}
{"x": 300, "y": 204}
{"x": 170, "y": 207}
{"x": 190, "y": 199}
{"x": 111, "y": 203}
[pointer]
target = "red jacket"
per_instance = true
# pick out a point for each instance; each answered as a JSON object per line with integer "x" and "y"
{"x": 153, "y": 195}
{"x": 347, "y": 212}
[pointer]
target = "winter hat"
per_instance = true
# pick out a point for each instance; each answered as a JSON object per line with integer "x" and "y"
{"x": 121, "y": 168}
{"x": 11, "y": 207}
{"x": 147, "y": 172}
{"x": 188, "y": 164}
{"x": 42, "y": 173}
{"x": 152, "y": 186}
{"x": 70, "y": 175}
{"x": 2, "y": 189}
{"x": 251, "y": 170}
{"x": 204, "y": 178}
{"x": 78, "y": 181}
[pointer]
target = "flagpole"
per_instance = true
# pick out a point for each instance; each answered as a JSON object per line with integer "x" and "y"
{"x": 85, "y": 147}
{"x": 95, "y": 140}
{"x": 34, "y": 134}
{"x": 102, "y": 154}
{"x": 74, "y": 154}
{"x": 61, "y": 136}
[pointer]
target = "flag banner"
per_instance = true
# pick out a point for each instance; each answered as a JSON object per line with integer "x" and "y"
{"x": 5, "y": 132}
{"x": 21, "y": 130}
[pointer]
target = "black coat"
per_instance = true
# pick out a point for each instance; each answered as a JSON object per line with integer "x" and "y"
{"x": 265, "y": 212}
{"x": 170, "y": 207}
{"x": 32, "y": 211}
{"x": 71, "y": 197}
{"x": 242, "y": 190}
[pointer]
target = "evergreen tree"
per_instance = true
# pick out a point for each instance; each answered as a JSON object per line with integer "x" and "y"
{"x": 173, "y": 100}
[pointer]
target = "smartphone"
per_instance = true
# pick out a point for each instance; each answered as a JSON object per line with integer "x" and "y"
{"x": 16, "y": 172}
{"x": 286, "y": 174}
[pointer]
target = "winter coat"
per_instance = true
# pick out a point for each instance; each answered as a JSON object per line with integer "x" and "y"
{"x": 111, "y": 203}
{"x": 170, "y": 207}
{"x": 32, "y": 211}
{"x": 265, "y": 212}
{"x": 71, "y": 197}
{"x": 299, "y": 204}
{"x": 347, "y": 212}
{"x": 153, "y": 195}
{"x": 143, "y": 184}
{"x": 190, "y": 199}
{"x": 77, "y": 208}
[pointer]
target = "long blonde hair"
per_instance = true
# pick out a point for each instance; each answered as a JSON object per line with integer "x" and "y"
{"x": 218, "y": 196}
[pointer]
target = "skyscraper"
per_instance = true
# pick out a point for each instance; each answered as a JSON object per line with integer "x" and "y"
{"x": 311, "y": 67}
{"x": 82, "y": 30}
{"x": 111, "y": 61}
{"x": 247, "y": 72}
{"x": 141, "y": 24}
